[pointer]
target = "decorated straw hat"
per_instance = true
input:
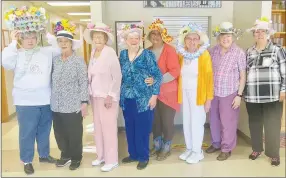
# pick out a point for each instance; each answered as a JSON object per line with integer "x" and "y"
{"x": 226, "y": 28}
{"x": 125, "y": 29}
{"x": 98, "y": 27}
{"x": 192, "y": 28}
{"x": 66, "y": 29}
{"x": 159, "y": 26}
{"x": 26, "y": 19}
{"x": 262, "y": 24}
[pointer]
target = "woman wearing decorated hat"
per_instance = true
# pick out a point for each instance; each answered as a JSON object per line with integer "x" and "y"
{"x": 69, "y": 95}
{"x": 137, "y": 98}
{"x": 167, "y": 104}
{"x": 32, "y": 67}
{"x": 265, "y": 91}
{"x": 104, "y": 75}
{"x": 229, "y": 80}
{"x": 195, "y": 88}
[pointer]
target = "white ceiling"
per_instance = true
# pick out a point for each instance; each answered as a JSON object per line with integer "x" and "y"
{"x": 63, "y": 10}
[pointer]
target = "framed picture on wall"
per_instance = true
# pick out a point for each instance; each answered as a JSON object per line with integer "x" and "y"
{"x": 119, "y": 44}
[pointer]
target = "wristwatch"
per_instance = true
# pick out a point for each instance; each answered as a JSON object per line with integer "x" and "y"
{"x": 239, "y": 95}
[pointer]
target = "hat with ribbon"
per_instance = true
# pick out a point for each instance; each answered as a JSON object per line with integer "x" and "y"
{"x": 66, "y": 29}
{"x": 98, "y": 27}
{"x": 226, "y": 28}
{"x": 159, "y": 26}
{"x": 26, "y": 19}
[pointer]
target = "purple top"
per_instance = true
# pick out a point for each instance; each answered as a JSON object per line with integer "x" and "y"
{"x": 227, "y": 69}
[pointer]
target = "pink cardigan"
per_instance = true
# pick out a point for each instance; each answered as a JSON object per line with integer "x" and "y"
{"x": 104, "y": 74}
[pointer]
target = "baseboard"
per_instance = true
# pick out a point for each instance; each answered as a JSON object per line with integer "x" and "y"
{"x": 244, "y": 137}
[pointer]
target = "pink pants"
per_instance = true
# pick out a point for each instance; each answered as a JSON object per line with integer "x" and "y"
{"x": 105, "y": 126}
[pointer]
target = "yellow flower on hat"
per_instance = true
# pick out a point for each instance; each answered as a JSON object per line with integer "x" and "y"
{"x": 19, "y": 12}
{"x": 265, "y": 19}
{"x": 217, "y": 29}
{"x": 33, "y": 10}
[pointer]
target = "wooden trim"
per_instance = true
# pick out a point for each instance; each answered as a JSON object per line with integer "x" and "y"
{"x": 4, "y": 101}
{"x": 84, "y": 51}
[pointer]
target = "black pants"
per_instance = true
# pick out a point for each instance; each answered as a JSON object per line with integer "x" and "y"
{"x": 163, "y": 124}
{"x": 269, "y": 116}
{"x": 68, "y": 131}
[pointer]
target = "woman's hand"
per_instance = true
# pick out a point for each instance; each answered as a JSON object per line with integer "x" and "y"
{"x": 108, "y": 102}
{"x": 84, "y": 110}
{"x": 149, "y": 81}
{"x": 207, "y": 106}
{"x": 236, "y": 102}
{"x": 152, "y": 102}
{"x": 15, "y": 35}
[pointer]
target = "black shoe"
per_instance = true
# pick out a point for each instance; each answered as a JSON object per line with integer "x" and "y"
{"x": 212, "y": 149}
{"x": 74, "y": 164}
{"x": 128, "y": 160}
{"x": 254, "y": 155}
{"x": 28, "y": 168}
{"x": 48, "y": 159}
{"x": 63, "y": 162}
{"x": 275, "y": 161}
{"x": 142, "y": 165}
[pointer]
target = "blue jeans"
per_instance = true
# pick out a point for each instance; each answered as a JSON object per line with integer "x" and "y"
{"x": 138, "y": 127}
{"x": 34, "y": 124}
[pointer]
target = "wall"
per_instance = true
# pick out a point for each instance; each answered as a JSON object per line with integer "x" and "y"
{"x": 134, "y": 11}
{"x": 245, "y": 13}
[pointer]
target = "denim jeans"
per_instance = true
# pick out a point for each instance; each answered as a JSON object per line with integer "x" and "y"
{"x": 34, "y": 124}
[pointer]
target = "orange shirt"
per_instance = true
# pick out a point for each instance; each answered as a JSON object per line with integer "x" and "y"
{"x": 169, "y": 62}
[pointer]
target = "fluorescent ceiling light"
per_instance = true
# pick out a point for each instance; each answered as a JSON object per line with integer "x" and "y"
{"x": 85, "y": 20}
{"x": 65, "y": 3}
{"x": 79, "y": 13}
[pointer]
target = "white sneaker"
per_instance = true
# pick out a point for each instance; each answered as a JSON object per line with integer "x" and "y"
{"x": 195, "y": 158}
{"x": 185, "y": 155}
{"x": 97, "y": 162}
{"x": 109, "y": 167}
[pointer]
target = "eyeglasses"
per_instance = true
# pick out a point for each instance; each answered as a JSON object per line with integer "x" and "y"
{"x": 193, "y": 39}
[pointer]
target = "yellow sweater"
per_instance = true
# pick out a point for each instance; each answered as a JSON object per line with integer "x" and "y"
{"x": 205, "y": 90}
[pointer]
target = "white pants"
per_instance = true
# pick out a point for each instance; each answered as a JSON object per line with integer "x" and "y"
{"x": 194, "y": 118}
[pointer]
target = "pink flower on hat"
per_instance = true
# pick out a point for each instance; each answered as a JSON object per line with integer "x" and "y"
{"x": 90, "y": 26}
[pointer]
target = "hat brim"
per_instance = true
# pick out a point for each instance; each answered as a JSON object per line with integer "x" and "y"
{"x": 270, "y": 31}
{"x": 136, "y": 30}
{"x": 164, "y": 40}
{"x": 204, "y": 39}
{"x": 76, "y": 44}
{"x": 87, "y": 37}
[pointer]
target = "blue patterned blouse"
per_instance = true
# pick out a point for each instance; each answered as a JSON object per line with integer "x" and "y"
{"x": 134, "y": 73}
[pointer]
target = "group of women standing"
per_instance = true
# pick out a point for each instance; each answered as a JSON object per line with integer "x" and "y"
{"x": 148, "y": 84}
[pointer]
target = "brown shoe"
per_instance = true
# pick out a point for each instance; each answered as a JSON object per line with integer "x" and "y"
{"x": 163, "y": 155}
{"x": 223, "y": 156}
{"x": 154, "y": 152}
{"x": 212, "y": 149}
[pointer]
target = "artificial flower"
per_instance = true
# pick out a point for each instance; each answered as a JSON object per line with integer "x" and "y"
{"x": 24, "y": 8}
{"x": 19, "y": 12}
{"x": 32, "y": 10}
{"x": 90, "y": 26}
{"x": 42, "y": 10}
{"x": 265, "y": 19}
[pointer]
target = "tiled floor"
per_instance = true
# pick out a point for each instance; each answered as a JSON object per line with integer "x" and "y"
{"x": 238, "y": 164}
